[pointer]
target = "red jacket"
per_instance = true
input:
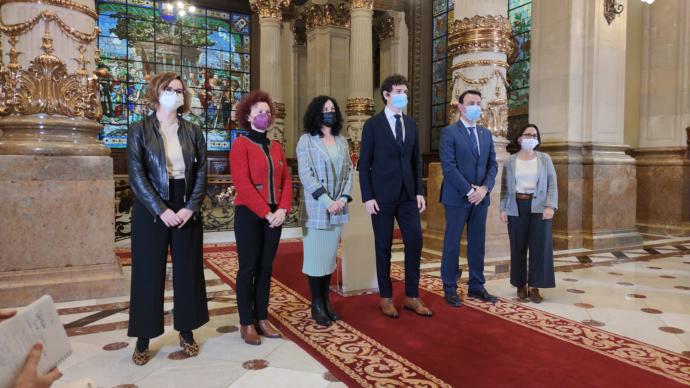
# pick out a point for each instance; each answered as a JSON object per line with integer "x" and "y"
{"x": 249, "y": 168}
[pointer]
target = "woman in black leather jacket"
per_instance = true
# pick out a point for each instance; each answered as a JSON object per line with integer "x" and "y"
{"x": 166, "y": 160}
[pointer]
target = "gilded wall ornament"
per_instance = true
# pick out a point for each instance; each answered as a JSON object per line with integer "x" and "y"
{"x": 269, "y": 8}
{"x": 46, "y": 86}
{"x": 367, "y": 4}
{"x": 360, "y": 106}
{"x": 278, "y": 110}
{"x": 481, "y": 33}
{"x": 327, "y": 15}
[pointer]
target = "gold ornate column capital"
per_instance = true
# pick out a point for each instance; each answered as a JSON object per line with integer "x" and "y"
{"x": 327, "y": 15}
{"x": 481, "y": 33}
{"x": 271, "y": 9}
{"x": 366, "y": 4}
{"x": 279, "y": 110}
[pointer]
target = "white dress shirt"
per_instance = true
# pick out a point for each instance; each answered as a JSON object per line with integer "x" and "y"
{"x": 390, "y": 115}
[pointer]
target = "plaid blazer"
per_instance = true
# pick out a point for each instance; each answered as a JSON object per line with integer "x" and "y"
{"x": 318, "y": 176}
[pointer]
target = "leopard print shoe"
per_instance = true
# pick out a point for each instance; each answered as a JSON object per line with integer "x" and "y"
{"x": 190, "y": 349}
{"x": 141, "y": 358}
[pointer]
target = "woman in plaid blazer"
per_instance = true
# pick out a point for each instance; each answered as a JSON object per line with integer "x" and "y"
{"x": 325, "y": 170}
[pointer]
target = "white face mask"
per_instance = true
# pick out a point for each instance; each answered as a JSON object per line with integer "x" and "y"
{"x": 529, "y": 144}
{"x": 170, "y": 102}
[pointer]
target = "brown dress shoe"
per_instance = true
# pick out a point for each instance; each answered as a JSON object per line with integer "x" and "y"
{"x": 249, "y": 335}
{"x": 387, "y": 308}
{"x": 416, "y": 305}
{"x": 534, "y": 295}
{"x": 267, "y": 330}
{"x": 522, "y": 293}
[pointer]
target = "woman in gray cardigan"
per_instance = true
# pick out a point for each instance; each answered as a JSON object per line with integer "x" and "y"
{"x": 325, "y": 170}
{"x": 529, "y": 198}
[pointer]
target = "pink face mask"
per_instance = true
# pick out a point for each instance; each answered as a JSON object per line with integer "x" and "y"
{"x": 262, "y": 121}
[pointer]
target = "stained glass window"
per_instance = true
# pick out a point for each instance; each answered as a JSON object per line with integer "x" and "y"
{"x": 520, "y": 16}
{"x": 443, "y": 15}
{"x": 209, "y": 48}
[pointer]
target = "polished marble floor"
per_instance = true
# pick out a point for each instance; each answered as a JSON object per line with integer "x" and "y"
{"x": 642, "y": 293}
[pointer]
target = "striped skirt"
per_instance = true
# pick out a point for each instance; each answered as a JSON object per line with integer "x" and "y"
{"x": 320, "y": 250}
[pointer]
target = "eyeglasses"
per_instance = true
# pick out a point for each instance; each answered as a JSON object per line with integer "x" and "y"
{"x": 170, "y": 91}
{"x": 530, "y": 136}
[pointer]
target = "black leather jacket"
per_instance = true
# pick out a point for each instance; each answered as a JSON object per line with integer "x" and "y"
{"x": 147, "y": 166}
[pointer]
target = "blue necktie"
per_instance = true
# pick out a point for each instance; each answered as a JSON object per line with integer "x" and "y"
{"x": 473, "y": 138}
{"x": 398, "y": 130}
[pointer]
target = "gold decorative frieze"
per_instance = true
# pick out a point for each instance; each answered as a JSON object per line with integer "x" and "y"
{"x": 46, "y": 86}
{"x": 384, "y": 27}
{"x": 278, "y": 110}
{"x": 360, "y": 106}
{"x": 481, "y": 33}
{"x": 327, "y": 15}
{"x": 269, "y": 8}
{"x": 366, "y": 4}
{"x": 479, "y": 62}
{"x": 59, "y": 3}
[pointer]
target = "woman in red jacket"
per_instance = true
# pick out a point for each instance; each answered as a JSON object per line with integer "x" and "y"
{"x": 263, "y": 188}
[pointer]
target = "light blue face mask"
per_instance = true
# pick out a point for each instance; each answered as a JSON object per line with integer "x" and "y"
{"x": 399, "y": 100}
{"x": 473, "y": 112}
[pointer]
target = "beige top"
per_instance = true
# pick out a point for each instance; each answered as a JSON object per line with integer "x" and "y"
{"x": 173, "y": 150}
{"x": 526, "y": 176}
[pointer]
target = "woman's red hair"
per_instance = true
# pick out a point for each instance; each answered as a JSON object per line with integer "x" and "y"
{"x": 244, "y": 107}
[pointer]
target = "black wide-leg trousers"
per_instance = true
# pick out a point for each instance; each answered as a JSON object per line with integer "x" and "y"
{"x": 150, "y": 242}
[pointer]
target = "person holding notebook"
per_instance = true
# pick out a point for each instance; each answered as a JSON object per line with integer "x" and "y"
{"x": 29, "y": 377}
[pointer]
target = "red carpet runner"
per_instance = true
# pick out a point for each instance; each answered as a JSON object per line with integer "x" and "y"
{"x": 480, "y": 345}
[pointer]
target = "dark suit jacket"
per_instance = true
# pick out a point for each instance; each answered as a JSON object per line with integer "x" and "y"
{"x": 461, "y": 168}
{"x": 386, "y": 168}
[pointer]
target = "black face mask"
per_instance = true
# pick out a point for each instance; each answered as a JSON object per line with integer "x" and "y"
{"x": 328, "y": 118}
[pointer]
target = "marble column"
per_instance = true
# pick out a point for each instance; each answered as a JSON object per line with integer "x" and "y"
{"x": 577, "y": 87}
{"x": 357, "y": 272}
{"x": 328, "y": 51}
{"x": 663, "y": 166}
{"x": 479, "y": 43}
{"x": 56, "y": 180}
{"x": 270, "y": 77}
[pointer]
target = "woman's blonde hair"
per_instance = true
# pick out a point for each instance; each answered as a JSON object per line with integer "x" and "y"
{"x": 158, "y": 83}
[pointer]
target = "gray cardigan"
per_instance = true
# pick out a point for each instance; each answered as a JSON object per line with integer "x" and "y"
{"x": 546, "y": 194}
{"x": 317, "y": 174}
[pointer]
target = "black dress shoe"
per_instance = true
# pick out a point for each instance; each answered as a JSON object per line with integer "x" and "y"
{"x": 484, "y": 295}
{"x": 453, "y": 299}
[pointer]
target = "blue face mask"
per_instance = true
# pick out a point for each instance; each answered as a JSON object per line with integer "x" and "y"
{"x": 328, "y": 118}
{"x": 399, "y": 100}
{"x": 473, "y": 112}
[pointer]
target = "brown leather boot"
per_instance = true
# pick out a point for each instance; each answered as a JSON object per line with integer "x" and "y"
{"x": 534, "y": 295}
{"x": 416, "y": 305}
{"x": 267, "y": 330}
{"x": 249, "y": 335}
{"x": 522, "y": 293}
{"x": 387, "y": 308}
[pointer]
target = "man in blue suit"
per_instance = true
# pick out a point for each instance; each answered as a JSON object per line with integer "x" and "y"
{"x": 468, "y": 160}
{"x": 390, "y": 176}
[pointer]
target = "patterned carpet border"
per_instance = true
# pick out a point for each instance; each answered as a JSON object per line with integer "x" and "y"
{"x": 628, "y": 350}
{"x": 365, "y": 360}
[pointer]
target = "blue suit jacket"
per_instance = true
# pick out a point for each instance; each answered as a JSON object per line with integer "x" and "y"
{"x": 386, "y": 168}
{"x": 461, "y": 168}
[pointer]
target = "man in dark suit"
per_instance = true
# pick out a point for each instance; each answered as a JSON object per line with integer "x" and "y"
{"x": 390, "y": 176}
{"x": 468, "y": 160}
